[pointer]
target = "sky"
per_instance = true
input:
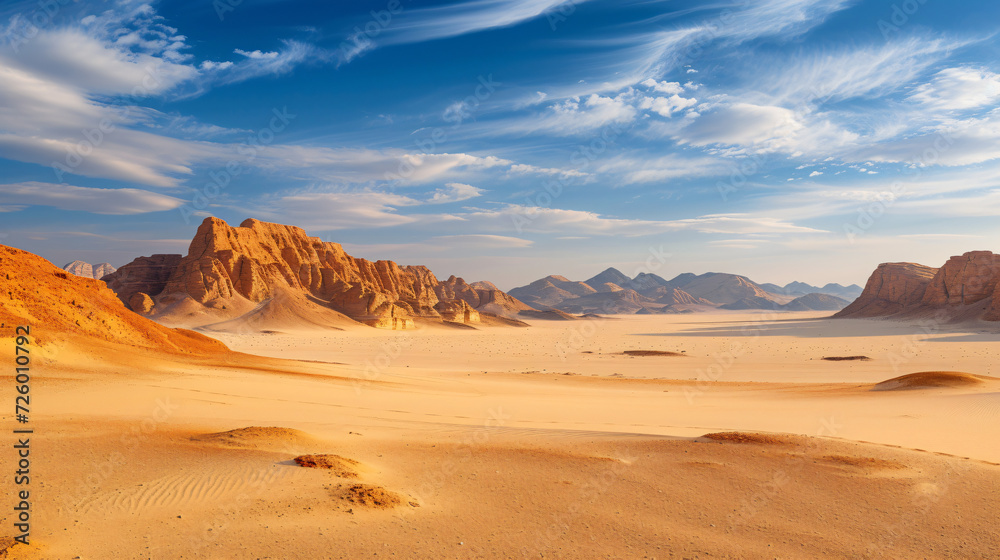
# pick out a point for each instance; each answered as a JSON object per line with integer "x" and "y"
{"x": 784, "y": 140}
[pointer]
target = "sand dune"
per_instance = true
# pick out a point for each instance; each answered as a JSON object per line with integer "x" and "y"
{"x": 932, "y": 379}
{"x": 63, "y": 307}
{"x": 749, "y": 447}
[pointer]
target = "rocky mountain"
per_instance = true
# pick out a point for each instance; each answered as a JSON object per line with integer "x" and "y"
{"x": 816, "y": 302}
{"x": 891, "y": 289}
{"x": 87, "y": 270}
{"x": 610, "y": 277}
{"x": 721, "y": 288}
{"x": 550, "y": 291}
{"x": 81, "y": 311}
{"x": 966, "y": 287}
{"x": 849, "y": 293}
{"x": 233, "y": 272}
{"x": 612, "y": 292}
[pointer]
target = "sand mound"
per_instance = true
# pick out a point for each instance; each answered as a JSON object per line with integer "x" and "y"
{"x": 372, "y": 496}
{"x": 492, "y": 319}
{"x": 651, "y": 353}
{"x": 928, "y": 380}
{"x": 862, "y": 462}
{"x": 747, "y": 437}
{"x": 846, "y": 358}
{"x": 286, "y": 310}
{"x": 550, "y": 315}
{"x": 337, "y": 465}
{"x": 67, "y": 307}
{"x": 256, "y": 437}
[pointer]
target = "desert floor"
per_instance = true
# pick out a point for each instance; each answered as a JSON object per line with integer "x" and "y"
{"x": 533, "y": 442}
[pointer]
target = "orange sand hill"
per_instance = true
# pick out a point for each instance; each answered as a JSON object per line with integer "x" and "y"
{"x": 931, "y": 380}
{"x": 231, "y": 271}
{"x": 61, "y": 306}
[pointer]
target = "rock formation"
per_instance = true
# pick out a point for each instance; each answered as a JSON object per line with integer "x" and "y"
{"x": 892, "y": 288}
{"x": 87, "y": 270}
{"x": 80, "y": 268}
{"x": 964, "y": 288}
{"x": 64, "y": 307}
{"x": 233, "y": 269}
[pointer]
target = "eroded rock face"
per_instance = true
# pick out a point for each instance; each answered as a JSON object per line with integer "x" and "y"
{"x": 482, "y": 296}
{"x": 103, "y": 269}
{"x": 256, "y": 260}
{"x": 965, "y": 279}
{"x": 87, "y": 270}
{"x": 146, "y": 275}
{"x": 891, "y": 289}
{"x": 80, "y": 268}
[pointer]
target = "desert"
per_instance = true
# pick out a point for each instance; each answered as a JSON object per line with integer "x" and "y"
{"x": 306, "y": 433}
{"x": 499, "y": 279}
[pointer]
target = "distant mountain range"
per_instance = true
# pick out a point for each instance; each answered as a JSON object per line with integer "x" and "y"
{"x": 87, "y": 270}
{"x": 613, "y": 292}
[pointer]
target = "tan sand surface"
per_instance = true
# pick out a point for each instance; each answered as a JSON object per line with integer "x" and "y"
{"x": 547, "y": 441}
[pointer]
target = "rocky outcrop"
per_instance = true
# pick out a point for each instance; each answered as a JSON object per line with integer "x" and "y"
{"x": 87, "y": 270}
{"x": 891, "y": 289}
{"x": 966, "y": 287}
{"x": 481, "y": 296}
{"x": 144, "y": 275}
{"x": 81, "y": 311}
{"x": 964, "y": 280}
{"x": 103, "y": 269}
{"x": 233, "y": 267}
{"x": 80, "y": 268}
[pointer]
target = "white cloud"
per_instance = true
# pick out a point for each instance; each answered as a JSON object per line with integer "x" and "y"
{"x": 522, "y": 169}
{"x": 455, "y": 192}
{"x": 326, "y": 211}
{"x": 482, "y": 241}
{"x": 863, "y": 71}
{"x": 741, "y": 124}
{"x": 955, "y": 89}
{"x": 353, "y": 165}
{"x": 815, "y": 173}
{"x": 87, "y": 199}
{"x": 575, "y": 116}
{"x": 666, "y": 106}
{"x": 670, "y": 88}
{"x": 258, "y": 55}
{"x": 634, "y": 170}
{"x": 554, "y": 220}
{"x": 452, "y": 20}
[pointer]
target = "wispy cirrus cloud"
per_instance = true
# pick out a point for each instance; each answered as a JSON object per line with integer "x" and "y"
{"x": 86, "y": 199}
{"x": 461, "y": 18}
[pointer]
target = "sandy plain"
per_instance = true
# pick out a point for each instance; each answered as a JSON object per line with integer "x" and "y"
{"x": 538, "y": 442}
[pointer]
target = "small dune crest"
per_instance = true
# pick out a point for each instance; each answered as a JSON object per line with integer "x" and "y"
{"x": 342, "y": 467}
{"x": 370, "y": 496}
{"x": 866, "y": 463}
{"x": 748, "y": 437}
{"x": 257, "y": 437}
{"x": 652, "y": 353}
{"x": 930, "y": 380}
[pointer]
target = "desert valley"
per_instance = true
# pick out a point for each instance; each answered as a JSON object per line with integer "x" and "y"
{"x": 499, "y": 280}
{"x": 267, "y": 395}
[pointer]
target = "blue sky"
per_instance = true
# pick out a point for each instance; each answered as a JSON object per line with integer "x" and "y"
{"x": 782, "y": 139}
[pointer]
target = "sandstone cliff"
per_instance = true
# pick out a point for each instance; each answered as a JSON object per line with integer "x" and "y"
{"x": 230, "y": 270}
{"x": 964, "y": 288}
{"x": 891, "y": 289}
